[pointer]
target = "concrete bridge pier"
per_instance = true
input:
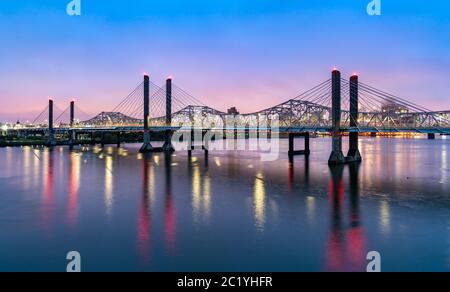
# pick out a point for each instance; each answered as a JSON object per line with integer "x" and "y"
{"x": 190, "y": 145}
{"x": 146, "y": 146}
{"x": 51, "y": 134}
{"x": 168, "y": 147}
{"x": 353, "y": 153}
{"x": 336, "y": 157}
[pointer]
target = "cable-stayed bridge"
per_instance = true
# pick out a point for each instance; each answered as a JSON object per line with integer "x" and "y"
{"x": 337, "y": 105}
{"x": 378, "y": 111}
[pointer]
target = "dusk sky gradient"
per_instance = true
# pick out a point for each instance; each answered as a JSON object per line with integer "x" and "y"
{"x": 248, "y": 54}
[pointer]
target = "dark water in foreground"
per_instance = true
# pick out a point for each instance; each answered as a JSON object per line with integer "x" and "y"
{"x": 127, "y": 212}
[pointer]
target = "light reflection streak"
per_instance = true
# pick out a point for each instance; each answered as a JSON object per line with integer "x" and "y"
{"x": 346, "y": 245}
{"x": 169, "y": 208}
{"x": 217, "y": 161}
{"x": 385, "y": 217}
{"x": 201, "y": 191}
{"x": 36, "y": 166}
{"x": 444, "y": 164}
{"x": 48, "y": 188}
{"x": 207, "y": 195}
{"x": 9, "y": 161}
{"x": 310, "y": 208}
{"x": 196, "y": 196}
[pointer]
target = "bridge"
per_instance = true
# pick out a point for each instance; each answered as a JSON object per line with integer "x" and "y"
{"x": 337, "y": 106}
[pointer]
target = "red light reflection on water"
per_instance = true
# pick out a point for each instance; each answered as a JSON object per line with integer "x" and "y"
{"x": 345, "y": 248}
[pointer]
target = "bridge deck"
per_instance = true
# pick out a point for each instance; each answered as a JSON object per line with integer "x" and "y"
{"x": 280, "y": 129}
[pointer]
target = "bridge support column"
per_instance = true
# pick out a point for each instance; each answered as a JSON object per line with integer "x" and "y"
{"x": 205, "y": 143}
{"x": 51, "y": 134}
{"x": 431, "y": 136}
{"x": 353, "y": 153}
{"x": 336, "y": 157}
{"x": 191, "y": 143}
{"x": 235, "y": 136}
{"x": 168, "y": 147}
{"x": 146, "y": 146}
{"x": 72, "y": 119}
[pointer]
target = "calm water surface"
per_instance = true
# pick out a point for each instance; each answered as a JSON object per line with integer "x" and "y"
{"x": 231, "y": 212}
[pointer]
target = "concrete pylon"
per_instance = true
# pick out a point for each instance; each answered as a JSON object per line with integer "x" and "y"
{"x": 336, "y": 157}
{"x": 168, "y": 147}
{"x": 353, "y": 153}
{"x": 51, "y": 134}
{"x": 146, "y": 146}
{"x": 72, "y": 113}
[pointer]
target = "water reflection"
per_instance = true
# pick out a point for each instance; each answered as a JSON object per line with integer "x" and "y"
{"x": 36, "y": 167}
{"x": 310, "y": 209}
{"x": 292, "y": 176}
{"x": 201, "y": 190}
{"x": 9, "y": 161}
{"x": 385, "y": 217}
{"x": 346, "y": 244}
{"x": 109, "y": 199}
{"x": 48, "y": 188}
{"x": 182, "y": 212}
{"x": 444, "y": 164}
{"x": 27, "y": 165}
{"x": 355, "y": 234}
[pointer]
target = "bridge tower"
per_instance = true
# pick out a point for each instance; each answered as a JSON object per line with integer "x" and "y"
{"x": 336, "y": 157}
{"x": 51, "y": 134}
{"x": 168, "y": 147}
{"x": 353, "y": 153}
{"x": 146, "y": 146}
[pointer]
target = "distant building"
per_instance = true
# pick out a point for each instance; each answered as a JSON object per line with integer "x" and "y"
{"x": 233, "y": 111}
{"x": 394, "y": 108}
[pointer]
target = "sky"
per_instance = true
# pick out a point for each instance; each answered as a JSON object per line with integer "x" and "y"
{"x": 251, "y": 54}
